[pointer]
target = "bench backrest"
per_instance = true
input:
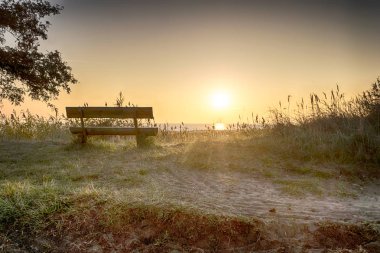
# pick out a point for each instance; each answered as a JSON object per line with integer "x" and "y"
{"x": 110, "y": 112}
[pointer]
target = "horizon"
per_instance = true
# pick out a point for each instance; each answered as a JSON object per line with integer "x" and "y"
{"x": 177, "y": 56}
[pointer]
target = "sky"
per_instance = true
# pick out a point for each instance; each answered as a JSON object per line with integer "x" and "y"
{"x": 177, "y": 56}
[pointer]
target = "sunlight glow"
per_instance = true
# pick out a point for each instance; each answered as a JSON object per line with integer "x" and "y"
{"x": 220, "y": 126}
{"x": 220, "y": 100}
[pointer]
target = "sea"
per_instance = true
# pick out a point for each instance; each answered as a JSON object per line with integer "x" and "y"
{"x": 186, "y": 126}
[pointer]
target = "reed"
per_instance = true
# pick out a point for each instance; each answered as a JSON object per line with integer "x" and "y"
{"x": 328, "y": 126}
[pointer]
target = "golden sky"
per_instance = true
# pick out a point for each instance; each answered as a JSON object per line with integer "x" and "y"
{"x": 175, "y": 55}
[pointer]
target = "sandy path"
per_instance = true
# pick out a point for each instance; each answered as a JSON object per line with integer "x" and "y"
{"x": 242, "y": 194}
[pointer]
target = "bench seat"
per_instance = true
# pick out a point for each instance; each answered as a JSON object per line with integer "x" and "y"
{"x": 151, "y": 131}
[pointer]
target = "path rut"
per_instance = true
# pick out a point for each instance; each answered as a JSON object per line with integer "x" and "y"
{"x": 234, "y": 193}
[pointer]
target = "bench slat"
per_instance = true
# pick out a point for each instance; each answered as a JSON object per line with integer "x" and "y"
{"x": 151, "y": 131}
{"x": 110, "y": 112}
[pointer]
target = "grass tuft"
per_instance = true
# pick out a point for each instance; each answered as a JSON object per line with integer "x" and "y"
{"x": 28, "y": 205}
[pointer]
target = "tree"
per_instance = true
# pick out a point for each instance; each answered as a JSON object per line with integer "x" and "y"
{"x": 23, "y": 69}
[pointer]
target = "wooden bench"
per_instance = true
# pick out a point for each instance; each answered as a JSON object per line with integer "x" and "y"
{"x": 114, "y": 113}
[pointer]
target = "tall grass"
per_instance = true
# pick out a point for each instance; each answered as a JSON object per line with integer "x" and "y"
{"x": 29, "y": 126}
{"x": 331, "y": 126}
{"x": 327, "y": 126}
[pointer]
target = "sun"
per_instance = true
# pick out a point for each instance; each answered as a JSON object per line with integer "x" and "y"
{"x": 220, "y": 100}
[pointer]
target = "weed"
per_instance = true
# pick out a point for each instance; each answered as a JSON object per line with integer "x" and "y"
{"x": 322, "y": 174}
{"x": 27, "y": 204}
{"x": 300, "y": 170}
{"x": 143, "y": 172}
{"x": 133, "y": 180}
{"x": 267, "y": 173}
{"x": 299, "y": 187}
{"x": 344, "y": 192}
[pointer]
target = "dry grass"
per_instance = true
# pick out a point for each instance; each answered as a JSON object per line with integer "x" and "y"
{"x": 107, "y": 194}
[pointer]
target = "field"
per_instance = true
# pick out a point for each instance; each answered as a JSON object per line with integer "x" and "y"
{"x": 303, "y": 184}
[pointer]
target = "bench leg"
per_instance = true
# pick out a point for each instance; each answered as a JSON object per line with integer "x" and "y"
{"x": 140, "y": 140}
{"x": 83, "y": 138}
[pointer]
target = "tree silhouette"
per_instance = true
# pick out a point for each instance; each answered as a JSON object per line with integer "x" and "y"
{"x": 23, "y": 69}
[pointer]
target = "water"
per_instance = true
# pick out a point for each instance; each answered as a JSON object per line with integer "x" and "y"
{"x": 200, "y": 126}
{"x": 187, "y": 126}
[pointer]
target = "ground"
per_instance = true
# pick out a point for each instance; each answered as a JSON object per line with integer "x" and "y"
{"x": 225, "y": 192}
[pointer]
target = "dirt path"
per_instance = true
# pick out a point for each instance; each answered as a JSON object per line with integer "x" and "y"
{"x": 168, "y": 173}
{"x": 240, "y": 194}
